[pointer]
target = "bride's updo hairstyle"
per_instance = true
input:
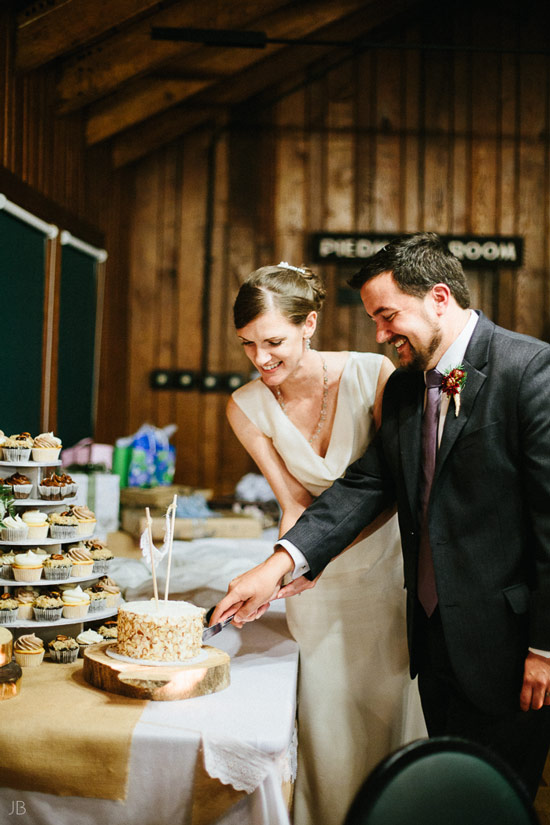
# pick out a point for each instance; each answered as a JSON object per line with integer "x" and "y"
{"x": 293, "y": 291}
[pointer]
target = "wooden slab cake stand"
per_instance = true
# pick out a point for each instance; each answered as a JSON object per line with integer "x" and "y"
{"x": 162, "y": 684}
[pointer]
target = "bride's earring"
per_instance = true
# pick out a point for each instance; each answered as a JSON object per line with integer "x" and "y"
{"x": 308, "y": 343}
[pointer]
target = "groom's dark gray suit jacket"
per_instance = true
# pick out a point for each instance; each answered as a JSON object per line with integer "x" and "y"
{"x": 489, "y": 511}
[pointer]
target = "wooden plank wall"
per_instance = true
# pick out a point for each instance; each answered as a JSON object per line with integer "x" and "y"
{"x": 47, "y": 155}
{"x": 451, "y": 141}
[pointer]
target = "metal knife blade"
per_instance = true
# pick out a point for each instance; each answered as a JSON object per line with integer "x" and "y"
{"x": 208, "y": 632}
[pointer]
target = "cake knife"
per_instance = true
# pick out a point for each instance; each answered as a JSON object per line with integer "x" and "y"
{"x": 208, "y": 632}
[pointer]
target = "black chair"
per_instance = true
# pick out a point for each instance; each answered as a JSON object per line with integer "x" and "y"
{"x": 442, "y": 781}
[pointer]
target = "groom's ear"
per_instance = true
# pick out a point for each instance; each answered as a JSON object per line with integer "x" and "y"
{"x": 440, "y": 295}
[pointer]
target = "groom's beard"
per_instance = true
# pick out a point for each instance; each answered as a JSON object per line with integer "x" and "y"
{"x": 421, "y": 358}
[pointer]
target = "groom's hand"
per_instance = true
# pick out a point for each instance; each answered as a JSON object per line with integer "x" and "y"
{"x": 536, "y": 682}
{"x": 248, "y": 595}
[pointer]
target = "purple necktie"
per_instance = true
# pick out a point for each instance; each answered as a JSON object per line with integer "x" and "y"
{"x": 427, "y": 592}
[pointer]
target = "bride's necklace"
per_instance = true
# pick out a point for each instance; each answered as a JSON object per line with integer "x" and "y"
{"x": 323, "y": 414}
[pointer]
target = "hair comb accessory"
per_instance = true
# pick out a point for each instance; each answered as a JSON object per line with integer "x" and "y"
{"x": 286, "y": 265}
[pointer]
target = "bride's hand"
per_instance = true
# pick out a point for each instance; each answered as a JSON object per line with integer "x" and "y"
{"x": 294, "y": 588}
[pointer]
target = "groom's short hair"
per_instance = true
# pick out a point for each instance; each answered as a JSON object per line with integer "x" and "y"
{"x": 417, "y": 262}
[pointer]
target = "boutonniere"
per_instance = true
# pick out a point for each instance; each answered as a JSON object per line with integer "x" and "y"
{"x": 452, "y": 385}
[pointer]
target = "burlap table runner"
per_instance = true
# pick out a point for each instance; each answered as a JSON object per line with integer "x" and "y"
{"x": 62, "y": 736}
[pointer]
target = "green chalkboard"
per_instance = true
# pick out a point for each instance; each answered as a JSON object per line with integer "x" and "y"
{"x": 22, "y": 258}
{"x": 77, "y": 323}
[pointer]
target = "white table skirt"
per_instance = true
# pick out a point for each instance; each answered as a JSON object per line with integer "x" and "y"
{"x": 254, "y": 716}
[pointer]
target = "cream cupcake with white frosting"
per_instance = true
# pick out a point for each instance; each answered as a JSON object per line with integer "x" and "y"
{"x": 75, "y": 603}
{"x": 27, "y": 567}
{"x": 37, "y": 522}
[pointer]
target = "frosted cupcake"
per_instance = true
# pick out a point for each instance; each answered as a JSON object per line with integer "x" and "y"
{"x": 20, "y": 484}
{"x": 63, "y": 525}
{"x": 29, "y": 650}
{"x": 6, "y": 562}
{"x": 109, "y": 631}
{"x": 46, "y": 447}
{"x": 112, "y": 589}
{"x": 76, "y": 603}
{"x": 57, "y": 567}
{"x": 86, "y": 519}
{"x": 8, "y": 609}
{"x": 14, "y": 528}
{"x": 98, "y": 598}
{"x": 37, "y": 523}
{"x": 27, "y": 567}
{"x": 88, "y": 638}
{"x": 25, "y": 599}
{"x": 48, "y": 607}
{"x": 63, "y": 649}
{"x": 17, "y": 447}
{"x": 3, "y": 439}
{"x": 101, "y": 555}
{"x": 81, "y": 560}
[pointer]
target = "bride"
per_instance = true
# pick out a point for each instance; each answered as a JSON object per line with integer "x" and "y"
{"x": 304, "y": 420}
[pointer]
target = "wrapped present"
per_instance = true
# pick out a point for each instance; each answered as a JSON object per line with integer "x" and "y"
{"x": 150, "y": 458}
{"x": 87, "y": 451}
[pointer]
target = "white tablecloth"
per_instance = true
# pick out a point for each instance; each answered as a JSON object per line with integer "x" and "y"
{"x": 244, "y": 733}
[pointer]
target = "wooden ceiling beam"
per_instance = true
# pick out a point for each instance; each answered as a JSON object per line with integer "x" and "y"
{"x": 145, "y": 97}
{"x": 45, "y": 32}
{"x": 131, "y": 53}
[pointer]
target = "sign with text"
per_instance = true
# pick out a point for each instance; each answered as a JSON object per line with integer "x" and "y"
{"x": 474, "y": 251}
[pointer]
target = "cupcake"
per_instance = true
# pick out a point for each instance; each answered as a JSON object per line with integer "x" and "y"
{"x": 98, "y": 598}
{"x": 52, "y": 488}
{"x": 63, "y": 649}
{"x": 17, "y": 447}
{"x": 3, "y": 439}
{"x": 57, "y": 567}
{"x": 37, "y": 523}
{"x": 76, "y": 603}
{"x": 27, "y": 567}
{"x": 109, "y": 631}
{"x": 88, "y": 638}
{"x": 101, "y": 555}
{"x": 48, "y": 607}
{"x": 86, "y": 519}
{"x": 8, "y": 608}
{"x": 14, "y": 528}
{"x": 29, "y": 650}
{"x": 6, "y": 561}
{"x": 70, "y": 487}
{"x": 20, "y": 484}
{"x": 63, "y": 525}
{"x": 81, "y": 560}
{"x": 112, "y": 589}
{"x": 46, "y": 447}
{"x": 25, "y": 599}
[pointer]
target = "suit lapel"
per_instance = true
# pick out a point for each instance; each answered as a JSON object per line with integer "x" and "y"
{"x": 474, "y": 361}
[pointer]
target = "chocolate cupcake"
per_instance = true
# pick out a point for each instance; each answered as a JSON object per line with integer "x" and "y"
{"x": 17, "y": 447}
{"x": 63, "y": 649}
{"x": 8, "y": 608}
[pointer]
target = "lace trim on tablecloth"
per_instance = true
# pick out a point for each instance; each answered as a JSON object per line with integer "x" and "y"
{"x": 246, "y": 768}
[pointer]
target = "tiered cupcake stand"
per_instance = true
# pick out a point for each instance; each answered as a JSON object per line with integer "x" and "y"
{"x": 35, "y": 472}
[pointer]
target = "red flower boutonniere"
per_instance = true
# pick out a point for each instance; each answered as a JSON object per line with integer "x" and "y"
{"x": 452, "y": 384}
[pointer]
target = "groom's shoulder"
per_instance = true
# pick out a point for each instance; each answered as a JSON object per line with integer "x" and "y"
{"x": 516, "y": 346}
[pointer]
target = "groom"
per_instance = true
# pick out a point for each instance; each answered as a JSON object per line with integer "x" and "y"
{"x": 477, "y": 552}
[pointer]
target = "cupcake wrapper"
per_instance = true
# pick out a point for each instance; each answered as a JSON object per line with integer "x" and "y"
{"x": 82, "y": 570}
{"x": 96, "y": 605}
{"x": 27, "y": 574}
{"x": 36, "y": 532}
{"x": 29, "y": 659}
{"x": 75, "y": 611}
{"x": 102, "y": 565}
{"x": 7, "y": 571}
{"x": 42, "y": 454}
{"x": 14, "y": 534}
{"x": 21, "y": 491}
{"x": 47, "y": 614}
{"x": 113, "y": 599}
{"x": 57, "y": 573}
{"x": 86, "y": 528}
{"x": 25, "y": 611}
{"x": 63, "y": 657}
{"x": 50, "y": 493}
{"x": 8, "y": 616}
{"x": 16, "y": 453}
{"x": 63, "y": 531}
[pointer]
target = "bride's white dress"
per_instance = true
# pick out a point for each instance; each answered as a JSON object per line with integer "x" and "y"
{"x": 356, "y": 701}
